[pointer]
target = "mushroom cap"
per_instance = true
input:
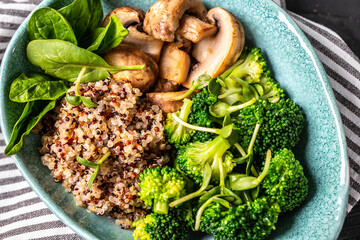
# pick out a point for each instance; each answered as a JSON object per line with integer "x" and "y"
{"x": 127, "y": 15}
{"x": 124, "y": 55}
{"x": 163, "y": 17}
{"x": 218, "y": 52}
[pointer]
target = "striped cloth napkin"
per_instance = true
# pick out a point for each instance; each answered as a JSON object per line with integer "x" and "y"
{"x": 24, "y": 216}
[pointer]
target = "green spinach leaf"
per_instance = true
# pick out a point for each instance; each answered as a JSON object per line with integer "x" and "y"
{"x": 108, "y": 37}
{"x": 65, "y": 60}
{"x": 30, "y": 116}
{"x": 35, "y": 86}
{"x": 47, "y": 23}
{"x": 84, "y": 16}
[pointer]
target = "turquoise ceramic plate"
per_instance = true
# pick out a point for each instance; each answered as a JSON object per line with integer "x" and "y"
{"x": 322, "y": 150}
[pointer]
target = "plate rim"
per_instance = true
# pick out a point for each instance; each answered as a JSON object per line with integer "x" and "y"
{"x": 51, "y": 204}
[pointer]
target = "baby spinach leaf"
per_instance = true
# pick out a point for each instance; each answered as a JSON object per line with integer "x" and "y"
{"x": 30, "y": 116}
{"x": 73, "y": 100}
{"x": 65, "y": 60}
{"x": 35, "y": 86}
{"x": 108, "y": 37}
{"x": 84, "y": 16}
{"x": 47, "y": 23}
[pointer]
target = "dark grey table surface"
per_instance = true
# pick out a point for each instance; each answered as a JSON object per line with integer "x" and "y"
{"x": 342, "y": 16}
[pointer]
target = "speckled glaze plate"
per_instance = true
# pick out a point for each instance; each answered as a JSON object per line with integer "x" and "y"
{"x": 322, "y": 149}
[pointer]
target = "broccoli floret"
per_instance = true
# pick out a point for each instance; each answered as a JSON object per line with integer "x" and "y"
{"x": 281, "y": 124}
{"x": 200, "y": 115}
{"x": 249, "y": 78}
{"x": 252, "y": 220}
{"x": 285, "y": 181}
{"x": 268, "y": 88}
{"x": 159, "y": 186}
{"x": 175, "y": 132}
{"x": 171, "y": 226}
{"x": 252, "y": 64}
{"x": 192, "y": 157}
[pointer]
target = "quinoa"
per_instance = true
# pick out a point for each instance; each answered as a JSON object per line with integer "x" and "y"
{"x": 122, "y": 123}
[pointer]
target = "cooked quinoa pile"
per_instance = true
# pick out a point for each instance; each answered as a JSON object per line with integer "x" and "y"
{"x": 121, "y": 123}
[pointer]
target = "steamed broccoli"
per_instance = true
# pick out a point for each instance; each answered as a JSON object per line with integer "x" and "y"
{"x": 159, "y": 186}
{"x": 200, "y": 115}
{"x": 192, "y": 157}
{"x": 175, "y": 132}
{"x": 281, "y": 125}
{"x": 250, "y": 65}
{"x": 285, "y": 181}
{"x": 249, "y": 78}
{"x": 252, "y": 220}
{"x": 171, "y": 226}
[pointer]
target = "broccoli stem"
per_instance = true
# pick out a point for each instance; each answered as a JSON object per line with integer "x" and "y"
{"x": 161, "y": 207}
{"x": 224, "y": 132}
{"x": 198, "y": 193}
{"x": 266, "y": 167}
{"x": 183, "y": 115}
{"x": 229, "y": 70}
{"x": 245, "y": 196}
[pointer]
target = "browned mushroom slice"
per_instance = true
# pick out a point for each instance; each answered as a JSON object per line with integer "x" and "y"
{"x": 144, "y": 42}
{"x": 164, "y": 85}
{"x": 183, "y": 43}
{"x": 124, "y": 55}
{"x": 218, "y": 52}
{"x": 127, "y": 16}
{"x": 163, "y": 17}
{"x": 174, "y": 64}
{"x": 194, "y": 29}
{"x": 163, "y": 100}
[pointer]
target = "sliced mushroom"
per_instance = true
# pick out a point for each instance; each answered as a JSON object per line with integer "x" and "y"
{"x": 163, "y": 18}
{"x": 164, "y": 85}
{"x": 127, "y": 16}
{"x": 183, "y": 43}
{"x": 218, "y": 52}
{"x": 174, "y": 64}
{"x": 194, "y": 29}
{"x": 163, "y": 100}
{"x": 144, "y": 42}
{"x": 128, "y": 55}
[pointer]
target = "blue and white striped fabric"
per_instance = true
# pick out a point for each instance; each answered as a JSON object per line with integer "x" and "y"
{"x": 24, "y": 216}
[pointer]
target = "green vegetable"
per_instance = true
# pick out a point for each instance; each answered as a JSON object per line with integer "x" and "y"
{"x": 222, "y": 109}
{"x": 64, "y": 60}
{"x": 73, "y": 100}
{"x": 199, "y": 83}
{"x": 171, "y": 226}
{"x": 252, "y": 220}
{"x": 47, "y": 23}
{"x": 285, "y": 181}
{"x": 223, "y": 132}
{"x": 159, "y": 186}
{"x": 108, "y": 37}
{"x": 93, "y": 165}
{"x": 195, "y": 155}
{"x": 249, "y": 182}
{"x": 200, "y": 115}
{"x": 35, "y": 86}
{"x": 84, "y": 16}
{"x": 78, "y": 99}
{"x": 30, "y": 116}
{"x": 249, "y": 78}
{"x": 177, "y": 133}
{"x": 281, "y": 126}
